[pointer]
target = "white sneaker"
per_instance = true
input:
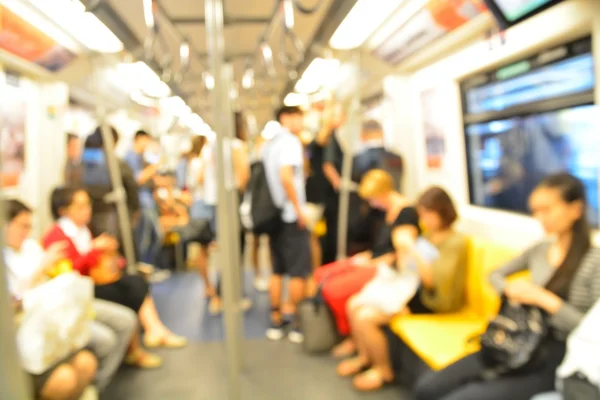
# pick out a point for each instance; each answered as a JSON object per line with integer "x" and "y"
{"x": 159, "y": 276}
{"x": 295, "y": 336}
{"x": 275, "y": 332}
{"x": 261, "y": 284}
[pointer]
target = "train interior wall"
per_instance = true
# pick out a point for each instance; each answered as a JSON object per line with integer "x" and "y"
{"x": 569, "y": 21}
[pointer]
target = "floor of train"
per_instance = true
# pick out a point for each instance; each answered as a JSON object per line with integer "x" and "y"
{"x": 273, "y": 370}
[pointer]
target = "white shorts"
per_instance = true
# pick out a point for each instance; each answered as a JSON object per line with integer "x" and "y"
{"x": 389, "y": 291}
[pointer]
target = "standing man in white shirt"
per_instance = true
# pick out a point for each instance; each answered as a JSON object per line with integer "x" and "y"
{"x": 283, "y": 158}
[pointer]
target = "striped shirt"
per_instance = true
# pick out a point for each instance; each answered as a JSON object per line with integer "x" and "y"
{"x": 583, "y": 292}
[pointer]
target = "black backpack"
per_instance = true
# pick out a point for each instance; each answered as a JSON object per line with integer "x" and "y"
{"x": 513, "y": 340}
{"x": 258, "y": 212}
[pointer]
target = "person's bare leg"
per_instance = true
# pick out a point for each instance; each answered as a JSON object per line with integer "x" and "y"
{"x": 61, "y": 385}
{"x": 150, "y": 320}
{"x": 201, "y": 264}
{"x": 347, "y": 347}
{"x": 296, "y": 293}
{"x": 275, "y": 288}
{"x": 156, "y": 334}
{"x": 85, "y": 366}
{"x": 138, "y": 357}
{"x": 370, "y": 335}
{"x": 355, "y": 364}
{"x": 315, "y": 251}
{"x": 356, "y": 321}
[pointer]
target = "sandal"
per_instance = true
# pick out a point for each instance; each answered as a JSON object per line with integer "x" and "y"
{"x": 370, "y": 380}
{"x": 142, "y": 359}
{"x": 215, "y": 306}
{"x": 169, "y": 341}
{"x": 351, "y": 366}
{"x": 344, "y": 349}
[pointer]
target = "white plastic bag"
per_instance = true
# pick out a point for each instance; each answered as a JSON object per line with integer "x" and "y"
{"x": 56, "y": 321}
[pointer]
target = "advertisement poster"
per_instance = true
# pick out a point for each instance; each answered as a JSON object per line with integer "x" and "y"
{"x": 436, "y": 19}
{"x": 26, "y": 41}
{"x": 13, "y": 110}
{"x": 433, "y": 127}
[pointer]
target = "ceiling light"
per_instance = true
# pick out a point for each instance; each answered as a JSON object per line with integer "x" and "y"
{"x": 319, "y": 73}
{"x": 139, "y": 76}
{"x": 149, "y": 13}
{"x": 361, "y": 22}
{"x": 287, "y": 7}
{"x": 295, "y": 99}
{"x": 306, "y": 86}
{"x": 248, "y": 79}
{"x": 184, "y": 53}
{"x": 193, "y": 121}
{"x": 209, "y": 80}
{"x": 175, "y": 106}
{"x": 233, "y": 93}
{"x": 70, "y": 16}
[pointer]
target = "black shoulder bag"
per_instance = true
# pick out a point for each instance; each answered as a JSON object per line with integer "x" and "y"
{"x": 513, "y": 340}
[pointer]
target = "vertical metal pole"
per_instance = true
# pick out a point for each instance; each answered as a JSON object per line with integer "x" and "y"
{"x": 118, "y": 195}
{"x": 353, "y": 126}
{"x": 232, "y": 198}
{"x": 13, "y": 382}
{"x": 220, "y": 97}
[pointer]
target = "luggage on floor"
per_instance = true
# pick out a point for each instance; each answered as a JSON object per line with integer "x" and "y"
{"x": 341, "y": 280}
{"x": 318, "y": 325}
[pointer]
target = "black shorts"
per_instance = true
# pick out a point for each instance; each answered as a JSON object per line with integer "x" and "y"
{"x": 129, "y": 291}
{"x": 290, "y": 251}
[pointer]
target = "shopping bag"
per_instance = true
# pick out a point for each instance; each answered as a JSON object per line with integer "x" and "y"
{"x": 56, "y": 321}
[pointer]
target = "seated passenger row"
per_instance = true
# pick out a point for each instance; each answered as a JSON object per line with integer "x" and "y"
{"x": 562, "y": 284}
{"x": 114, "y": 330}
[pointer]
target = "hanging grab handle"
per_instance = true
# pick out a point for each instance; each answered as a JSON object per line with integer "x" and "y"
{"x": 308, "y": 10}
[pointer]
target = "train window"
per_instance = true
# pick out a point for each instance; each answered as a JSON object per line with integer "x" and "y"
{"x": 527, "y": 121}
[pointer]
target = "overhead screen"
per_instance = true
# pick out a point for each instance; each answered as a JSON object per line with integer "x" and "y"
{"x": 433, "y": 21}
{"x": 511, "y": 12}
{"x": 524, "y": 125}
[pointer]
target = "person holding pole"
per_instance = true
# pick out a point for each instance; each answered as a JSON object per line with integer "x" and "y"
{"x": 283, "y": 160}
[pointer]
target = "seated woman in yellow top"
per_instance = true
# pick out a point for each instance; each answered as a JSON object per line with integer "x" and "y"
{"x": 442, "y": 287}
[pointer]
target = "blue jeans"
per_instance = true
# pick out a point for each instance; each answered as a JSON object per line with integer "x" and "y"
{"x": 148, "y": 237}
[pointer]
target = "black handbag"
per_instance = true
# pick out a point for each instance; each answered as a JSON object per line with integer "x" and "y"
{"x": 513, "y": 340}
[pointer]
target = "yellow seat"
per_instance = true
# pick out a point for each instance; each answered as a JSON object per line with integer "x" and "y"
{"x": 441, "y": 339}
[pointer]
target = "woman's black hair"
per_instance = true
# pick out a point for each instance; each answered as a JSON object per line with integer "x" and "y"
{"x": 14, "y": 208}
{"x": 61, "y": 198}
{"x": 571, "y": 190}
{"x": 96, "y": 141}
